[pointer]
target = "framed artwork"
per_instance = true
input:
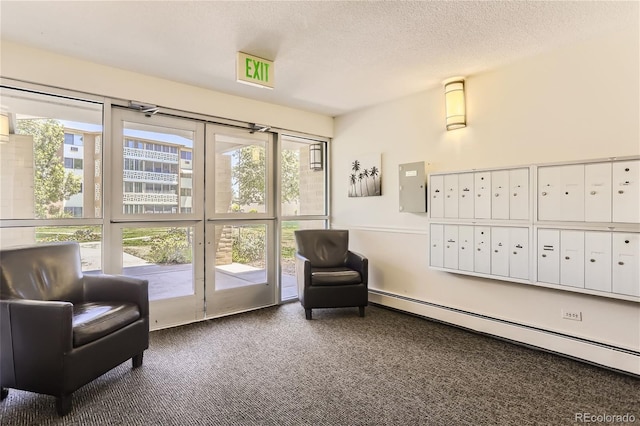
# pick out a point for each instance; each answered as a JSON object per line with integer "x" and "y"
{"x": 365, "y": 176}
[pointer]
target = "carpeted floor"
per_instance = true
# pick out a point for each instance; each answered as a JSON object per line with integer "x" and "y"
{"x": 273, "y": 367}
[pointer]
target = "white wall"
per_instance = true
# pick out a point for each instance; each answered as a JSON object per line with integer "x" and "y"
{"x": 578, "y": 103}
{"x": 38, "y": 66}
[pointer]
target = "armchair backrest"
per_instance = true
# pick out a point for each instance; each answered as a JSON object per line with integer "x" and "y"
{"x": 50, "y": 271}
{"x": 325, "y": 248}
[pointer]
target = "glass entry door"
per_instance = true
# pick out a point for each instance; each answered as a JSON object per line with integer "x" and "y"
{"x": 240, "y": 218}
{"x": 207, "y": 249}
{"x": 157, "y": 211}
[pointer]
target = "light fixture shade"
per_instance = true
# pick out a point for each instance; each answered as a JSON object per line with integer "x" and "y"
{"x": 315, "y": 156}
{"x": 455, "y": 104}
{"x": 4, "y": 128}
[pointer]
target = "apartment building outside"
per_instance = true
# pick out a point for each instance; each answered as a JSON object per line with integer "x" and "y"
{"x": 157, "y": 175}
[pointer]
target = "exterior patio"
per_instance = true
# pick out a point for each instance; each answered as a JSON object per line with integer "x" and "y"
{"x": 167, "y": 281}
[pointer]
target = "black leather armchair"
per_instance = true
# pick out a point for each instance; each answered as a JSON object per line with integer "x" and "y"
{"x": 61, "y": 329}
{"x": 329, "y": 275}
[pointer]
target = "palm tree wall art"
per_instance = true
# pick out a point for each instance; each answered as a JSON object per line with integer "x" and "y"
{"x": 365, "y": 176}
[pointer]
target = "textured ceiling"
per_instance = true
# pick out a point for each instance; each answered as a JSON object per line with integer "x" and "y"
{"x": 330, "y": 57}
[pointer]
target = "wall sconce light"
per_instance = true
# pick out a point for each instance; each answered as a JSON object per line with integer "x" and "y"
{"x": 4, "y": 128}
{"x": 454, "y": 101}
{"x": 315, "y": 156}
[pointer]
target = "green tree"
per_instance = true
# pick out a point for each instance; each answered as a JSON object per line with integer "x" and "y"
{"x": 249, "y": 175}
{"x": 290, "y": 171}
{"x": 52, "y": 184}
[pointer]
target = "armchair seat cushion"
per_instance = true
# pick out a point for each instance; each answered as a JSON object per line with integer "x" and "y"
{"x": 334, "y": 276}
{"x": 94, "y": 320}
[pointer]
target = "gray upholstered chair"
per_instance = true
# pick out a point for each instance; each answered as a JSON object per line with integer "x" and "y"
{"x": 61, "y": 329}
{"x": 329, "y": 275}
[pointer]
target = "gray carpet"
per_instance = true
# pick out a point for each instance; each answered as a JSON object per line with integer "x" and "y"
{"x": 273, "y": 367}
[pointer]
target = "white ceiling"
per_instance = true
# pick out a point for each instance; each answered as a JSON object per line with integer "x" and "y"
{"x": 330, "y": 57}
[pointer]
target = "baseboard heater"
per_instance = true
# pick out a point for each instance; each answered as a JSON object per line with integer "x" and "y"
{"x": 611, "y": 357}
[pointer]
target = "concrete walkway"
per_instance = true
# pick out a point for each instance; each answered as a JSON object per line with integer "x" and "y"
{"x": 167, "y": 281}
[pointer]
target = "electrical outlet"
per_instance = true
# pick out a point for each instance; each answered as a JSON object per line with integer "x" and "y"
{"x": 572, "y": 315}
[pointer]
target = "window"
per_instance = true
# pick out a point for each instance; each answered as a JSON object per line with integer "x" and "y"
{"x": 73, "y": 163}
{"x": 73, "y": 211}
{"x": 44, "y": 175}
{"x": 185, "y": 155}
{"x": 73, "y": 139}
{"x": 303, "y": 188}
{"x": 303, "y": 197}
{"x": 137, "y": 187}
{"x": 41, "y": 183}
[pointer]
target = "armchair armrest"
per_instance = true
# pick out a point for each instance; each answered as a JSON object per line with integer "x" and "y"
{"x": 105, "y": 287}
{"x": 38, "y": 334}
{"x": 303, "y": 272}
{"x": 359, "y": 263}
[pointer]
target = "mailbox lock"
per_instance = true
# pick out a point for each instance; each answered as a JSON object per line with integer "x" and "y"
{"x": 567, "y": 258}
{"x": 626, "y": 169}
{"x": 497, "y": 195}
{"x": 515, "y": 194}
{"x": 621, "y": 192}
{"x": 544, "y": 193}
{"x": 515, "y": 252}
{"x": 592, "y": 260}
{"x": 593, "y": 192}
{"x": 620, "y": 263}
{"x": 544, "y": 255}
{"x": 626, "y": 241}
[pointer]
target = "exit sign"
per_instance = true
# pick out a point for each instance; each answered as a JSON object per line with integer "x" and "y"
{"x": 255, "y": 71}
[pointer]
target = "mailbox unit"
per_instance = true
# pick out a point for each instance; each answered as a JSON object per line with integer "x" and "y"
{"x": 571, "y": 226}
{"x": 495, "y": 194}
